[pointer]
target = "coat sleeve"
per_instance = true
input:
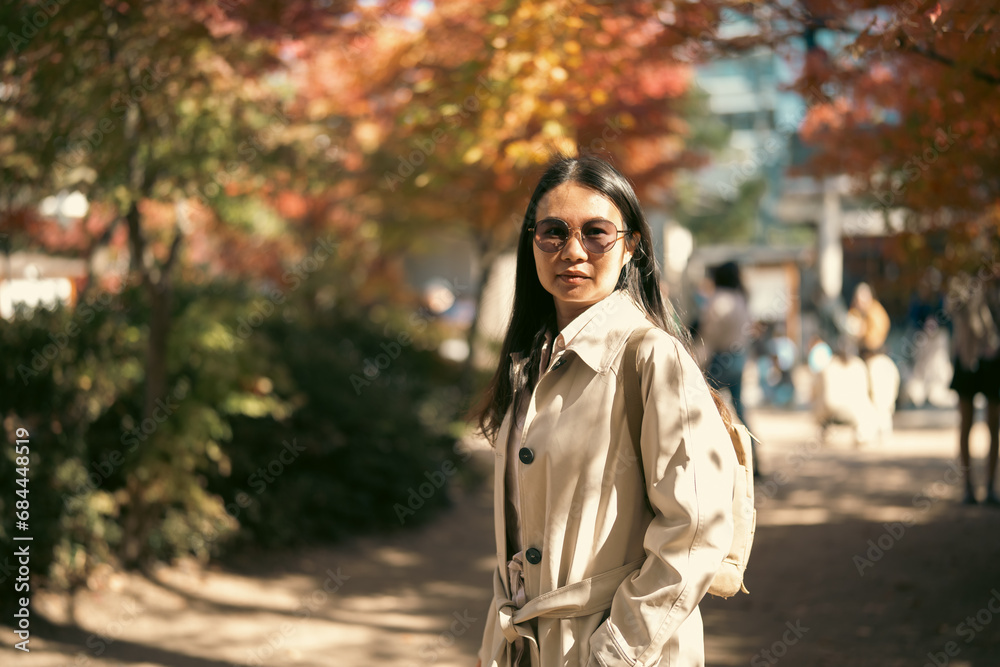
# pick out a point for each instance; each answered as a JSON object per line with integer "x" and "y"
{"x": 689, "y": 465}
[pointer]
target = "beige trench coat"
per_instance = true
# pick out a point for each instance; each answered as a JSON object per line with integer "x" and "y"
{"x": 583, "y": 509}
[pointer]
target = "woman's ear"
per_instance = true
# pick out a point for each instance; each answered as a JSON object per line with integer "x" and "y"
{"x": 632, "y": 245}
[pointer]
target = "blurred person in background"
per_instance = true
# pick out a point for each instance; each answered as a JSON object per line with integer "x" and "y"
{"x": 867, "y": 321}
{"x": 783, "y": 353}
{"x": 725, "y": 327}
{"x": 883, "y": 390}
{"x": 925, "y": 346}
{"x": 841, "y": 394}
{"x": 926, "y": 304}
{"x": 974, "y": 308}
{"x": 601, "y": 559}
{"x": 868, "y": 325}
{"x": 767, "y": 373}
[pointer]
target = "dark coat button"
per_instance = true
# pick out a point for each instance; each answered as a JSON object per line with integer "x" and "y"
{"x": 533, "y": 555}
{"x": 526, "y": 455}
{"x": 559, "y": 362}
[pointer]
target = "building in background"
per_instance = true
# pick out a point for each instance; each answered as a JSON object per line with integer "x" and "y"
{"x": 747, "y": 179}
{"x": 746, "y": 95}
{"x": 35, "y": 280}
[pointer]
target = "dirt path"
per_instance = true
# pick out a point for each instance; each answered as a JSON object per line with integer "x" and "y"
{"x": 862, "y": 558}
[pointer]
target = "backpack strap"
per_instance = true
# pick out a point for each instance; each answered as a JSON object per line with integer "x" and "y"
{"x": 633, "y": 398}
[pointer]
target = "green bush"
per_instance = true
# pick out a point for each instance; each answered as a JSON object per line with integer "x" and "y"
{"x": 62, "y": 372}
{"x": 356, "y": 445}
{"x": 239, "y": 386}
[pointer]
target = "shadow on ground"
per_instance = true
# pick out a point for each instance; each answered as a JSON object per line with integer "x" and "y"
{"x": 869, "y": 593}
{"x": 862, "y": 558}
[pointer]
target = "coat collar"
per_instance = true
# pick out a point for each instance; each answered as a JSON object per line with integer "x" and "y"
{"x": 606, "y": 326}
{"x": 611, "y": 321}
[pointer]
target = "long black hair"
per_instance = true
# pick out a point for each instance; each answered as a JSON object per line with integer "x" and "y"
{"x": 534, "y": 308}
{"x": 727, "y": 275}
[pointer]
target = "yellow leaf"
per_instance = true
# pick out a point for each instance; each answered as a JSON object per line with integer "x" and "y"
{"x": 565, "y": 145}
{"x": 552, "y": 128}
{"x": 472, "y": 155}
{"x": 102, "y": 502}
{"x": 213, "y": 451}
{"x": 367, "y": 136}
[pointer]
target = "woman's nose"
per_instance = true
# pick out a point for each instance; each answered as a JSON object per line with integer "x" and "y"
{"x": 574, "y": 246}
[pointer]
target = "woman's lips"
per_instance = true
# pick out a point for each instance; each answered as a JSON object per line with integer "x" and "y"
{"x": 573, "y": 278}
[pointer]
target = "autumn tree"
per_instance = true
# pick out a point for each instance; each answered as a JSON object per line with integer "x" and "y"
{"x": 910, "y": 106}
{"x": 174, "y": 121}
{"x": 463, "y": 106}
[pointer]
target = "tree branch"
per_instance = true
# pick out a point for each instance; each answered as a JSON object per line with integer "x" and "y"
{"x": 136, "y": 242}
{"x": 931, "y": 54}
{"x": 907, "y": 45}
{"x": 182, "y": 224}
{"x": 172, "y": 254}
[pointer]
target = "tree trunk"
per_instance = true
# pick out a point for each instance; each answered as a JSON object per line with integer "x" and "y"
{"x": 160, "y": 296}
{"x": 142, "y": 514}
{"x": 487, "y": 259}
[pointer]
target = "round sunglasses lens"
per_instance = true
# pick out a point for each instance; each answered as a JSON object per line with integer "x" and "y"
{"x": 550, "y": 236}
{"x": 599, "y": 236}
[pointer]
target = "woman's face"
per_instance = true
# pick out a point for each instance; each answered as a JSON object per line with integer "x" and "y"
{"x": 575, "y": 277}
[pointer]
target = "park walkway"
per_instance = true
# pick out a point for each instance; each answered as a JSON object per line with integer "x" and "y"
{"x": 862, "y": 558}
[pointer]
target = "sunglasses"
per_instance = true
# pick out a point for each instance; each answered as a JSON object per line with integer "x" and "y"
{"x": 597, "y": 236}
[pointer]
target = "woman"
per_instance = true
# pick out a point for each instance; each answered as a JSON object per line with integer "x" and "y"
{"x": 601, "y": 559}
{"x": 974, "y": 307}
{"x": 725, "y": 328}
{"x": 867, "y": 321}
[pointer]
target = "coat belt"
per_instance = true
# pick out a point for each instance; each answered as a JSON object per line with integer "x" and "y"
{"x": 582, "y": 598}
